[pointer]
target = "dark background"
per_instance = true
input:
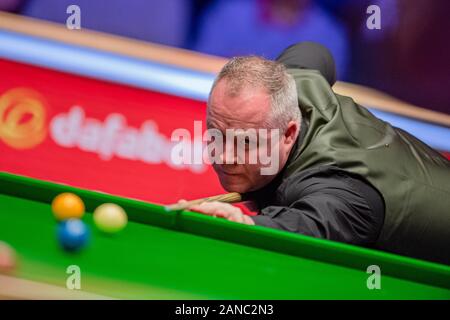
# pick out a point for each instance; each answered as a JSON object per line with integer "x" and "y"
{"x": 407, "y": 58}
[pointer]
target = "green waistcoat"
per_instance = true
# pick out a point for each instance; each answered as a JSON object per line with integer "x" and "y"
{"x": 413, "y": 179}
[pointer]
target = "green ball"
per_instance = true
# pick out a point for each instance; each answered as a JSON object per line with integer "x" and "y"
{"x": 110, "y": 218}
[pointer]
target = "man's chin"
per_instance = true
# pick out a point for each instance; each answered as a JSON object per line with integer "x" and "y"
{"x": 242, "y": 186}
{"x": 230, "y": 186}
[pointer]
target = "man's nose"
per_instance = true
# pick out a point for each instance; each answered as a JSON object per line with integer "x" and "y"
{"x": 229, "y": 155}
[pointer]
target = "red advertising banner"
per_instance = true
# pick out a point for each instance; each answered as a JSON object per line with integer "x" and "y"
{"x": 97, "y": 135}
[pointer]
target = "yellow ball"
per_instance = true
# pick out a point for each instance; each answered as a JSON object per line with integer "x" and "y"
{"x": 67, "y": 205}
{"x": 110, "y": 218}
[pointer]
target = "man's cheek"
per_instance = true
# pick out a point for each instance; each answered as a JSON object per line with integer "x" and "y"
{"x": 269, "y": 159}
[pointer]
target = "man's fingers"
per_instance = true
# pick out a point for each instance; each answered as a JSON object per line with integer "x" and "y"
{"x": 219, "y": 209}
{"x": 211, "y": 209}
{"x": 225, "y": 210}
{"x": 236, "y": 217}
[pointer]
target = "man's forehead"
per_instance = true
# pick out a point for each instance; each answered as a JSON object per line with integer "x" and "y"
{"x": 246, "y": 109}
{"x": 224, "y": 121}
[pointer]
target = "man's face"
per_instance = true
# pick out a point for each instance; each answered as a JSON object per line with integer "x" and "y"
{"x": 249, "y": 109}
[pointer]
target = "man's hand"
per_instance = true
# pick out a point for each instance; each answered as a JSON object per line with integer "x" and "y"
{"x": 222, "y": 210}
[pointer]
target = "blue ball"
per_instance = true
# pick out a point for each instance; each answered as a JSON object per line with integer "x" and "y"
{"x": 73, "y": 234}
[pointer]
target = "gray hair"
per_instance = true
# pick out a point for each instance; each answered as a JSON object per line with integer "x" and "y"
{"x": 272, "y": 76}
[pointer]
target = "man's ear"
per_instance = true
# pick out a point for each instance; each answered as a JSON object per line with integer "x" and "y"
{"x": 291, "y": 133}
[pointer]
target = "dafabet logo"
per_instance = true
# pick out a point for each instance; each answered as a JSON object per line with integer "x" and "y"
{"x": 25, "y": 121}
{"x": 22, "y": 118}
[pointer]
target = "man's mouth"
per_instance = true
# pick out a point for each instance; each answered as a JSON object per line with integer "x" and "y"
{"x": 226, "y": 173}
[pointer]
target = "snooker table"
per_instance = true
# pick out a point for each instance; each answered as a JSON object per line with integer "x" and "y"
{"x": 185, "y": 255}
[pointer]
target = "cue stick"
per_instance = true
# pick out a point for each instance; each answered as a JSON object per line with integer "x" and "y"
{"x": 231, "y": 197}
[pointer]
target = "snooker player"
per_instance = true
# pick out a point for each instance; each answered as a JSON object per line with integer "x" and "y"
{"x": 344, "y": 174}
